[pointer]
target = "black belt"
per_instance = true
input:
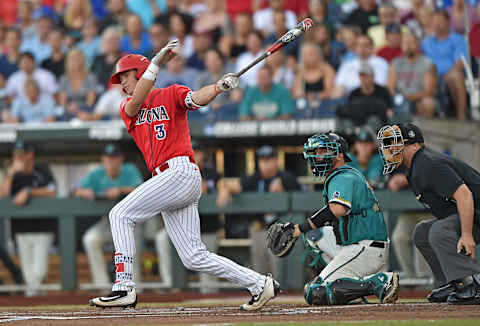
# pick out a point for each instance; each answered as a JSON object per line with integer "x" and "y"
{"x": 378, "y": 244}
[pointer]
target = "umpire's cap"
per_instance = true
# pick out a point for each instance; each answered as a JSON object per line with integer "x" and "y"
{"x": 411, "y": 134}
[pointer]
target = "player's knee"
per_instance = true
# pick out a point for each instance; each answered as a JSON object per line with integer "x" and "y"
{"x": 114, "y": 215}
{"x": 195, "y": 260}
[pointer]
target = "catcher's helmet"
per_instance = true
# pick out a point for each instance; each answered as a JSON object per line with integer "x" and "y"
{"x": 333, "y": 145}
{"x": 129, "y": 62}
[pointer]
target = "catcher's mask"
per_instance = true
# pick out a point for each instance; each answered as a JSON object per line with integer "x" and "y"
{"x": 321, "y": 162}
{"x": 390, "y": 145}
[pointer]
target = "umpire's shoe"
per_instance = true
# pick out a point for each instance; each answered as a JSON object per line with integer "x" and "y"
{"x": 468, "y": 294}
{"x": 270, "y": 291}
{"x": 441, "y": 294}
{"x": 123, "y": 299}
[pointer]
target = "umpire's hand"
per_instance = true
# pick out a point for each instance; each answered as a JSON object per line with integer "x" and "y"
{"x": 468, "y": 244}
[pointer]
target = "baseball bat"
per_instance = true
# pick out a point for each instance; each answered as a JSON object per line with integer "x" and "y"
{"x": 288, "y": 37}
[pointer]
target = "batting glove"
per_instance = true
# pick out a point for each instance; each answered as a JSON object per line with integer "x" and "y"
{"x": 227, "y": 83}
{"x": 165, "y": 54}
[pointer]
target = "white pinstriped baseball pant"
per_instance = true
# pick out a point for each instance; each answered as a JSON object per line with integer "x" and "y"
{"x": 174, "y": 193}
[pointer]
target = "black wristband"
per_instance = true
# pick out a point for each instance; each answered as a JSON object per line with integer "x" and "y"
{"x": 305, "y": 227}
{"x": 323, "y": 216}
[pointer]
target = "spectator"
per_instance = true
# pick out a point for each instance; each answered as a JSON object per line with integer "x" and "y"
{"x": 35, "y": 107}
{"x": 9, "y": 60}
{"x": 388, "y": 15}
{"x": 280, "y": 28}
{"x": 370, "y": 104}
{"x": 90, "y": 43}
{"x": 318, "y": 12}
{"x": 147, "y": 10}
{"x": 214, "y": 20}
{"x": 365, "y": 16}
{"x": 263, "y": 19}
{"x": 393, "y": 48}
{"x": 38, "y": 45}
{"x": 266, "y": 100}
{"x": 78, "y": 87}
{"x": 347, "y": 76}
{"x": 16, "y": 82}
{"x": 411, "y": 261}
{"x": 26, "y": 179}
{"x": 457, "y": 15}
{"x": 25, "y": 21}
{"x": 445, "y": 50}
{"x": 41, "y": 8}
{"x": 76, "y": 15}
{"x": 201, "y": 43}
{"x": 348, "y": 36}
{"x": 236, "y": 44}
{"x": 282, "y": 74}
{"x": 254, "y": 47}
{"x": 107, "y": 105}
{"x": 267, "y": 178}
{"x": 216, "y": 68}
{"x": 113, "y": 180}
{"x": 192, "y": 8}
{"x": 118, "y": 15}
{"x": 332, "y": 50}
{"x": 104, "y": 64}
{"x": 56, "y": 62}
{"x": 315, "y": 78}
{"x": 413, "y": 79}
{"x": 180, "y": 29}
{"x": 159, "y": 36}
{"x": 136, "y": 41}
{"x": 411, "y": 18}
{"x": 174, "y": 7}
{"x": 209, "y": 224}
{"x": 366, "y": 159}
{"x": 427, "y": 28}
{"x": 176, "y": 73}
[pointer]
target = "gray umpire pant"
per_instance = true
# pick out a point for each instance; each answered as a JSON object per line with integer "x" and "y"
{"x": 437, "y": 241}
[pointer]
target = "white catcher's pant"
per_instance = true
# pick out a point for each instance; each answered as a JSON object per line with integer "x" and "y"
{"x": 174, "y": 193}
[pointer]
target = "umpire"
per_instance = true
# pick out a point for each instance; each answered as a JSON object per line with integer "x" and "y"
{"x": 449, "y": 188}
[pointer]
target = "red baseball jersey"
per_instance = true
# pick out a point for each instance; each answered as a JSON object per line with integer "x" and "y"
{"x": 160, "y": 129}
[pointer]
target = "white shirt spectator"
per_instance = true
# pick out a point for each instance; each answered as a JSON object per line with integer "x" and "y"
{"x": 109, "y": 103}
{"x": 250, "y": 77}
{"x": 44, "y": 78}
{"x": 37, "y": 112}
{"x": 263, "y": 20}
{"x": 347, "y": 75}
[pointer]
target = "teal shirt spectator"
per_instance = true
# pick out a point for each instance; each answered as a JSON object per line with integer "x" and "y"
{"x": 268, "y": 105}
{"x": 143, "y": 9}
{"x": 374, "y": 171}
{"x": 100, "y": 182}
{"x": 37, "y": 112}
{"x": 348, "y": 187}
{"x": 90, "y": 49}
{"x": 445, "y": 53}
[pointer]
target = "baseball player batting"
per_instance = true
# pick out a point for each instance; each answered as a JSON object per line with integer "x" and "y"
{"x": 157, "y": 121}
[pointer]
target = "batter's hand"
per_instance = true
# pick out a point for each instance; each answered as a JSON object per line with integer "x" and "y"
{"x": 227, "y": 83}
{"x": 165, "y": 54}
{"x": 467, "y": 243}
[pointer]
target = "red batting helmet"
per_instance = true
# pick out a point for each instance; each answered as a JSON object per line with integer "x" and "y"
{"x": 129, "y": 62}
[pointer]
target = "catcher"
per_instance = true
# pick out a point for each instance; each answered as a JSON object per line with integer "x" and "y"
{"x": 352, "y": 216}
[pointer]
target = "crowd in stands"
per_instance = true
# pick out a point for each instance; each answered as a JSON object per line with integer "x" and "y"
{"x": 56, "y": 56}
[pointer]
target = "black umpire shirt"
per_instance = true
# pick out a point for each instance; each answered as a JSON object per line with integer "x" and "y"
{"x": 435, "y": 177}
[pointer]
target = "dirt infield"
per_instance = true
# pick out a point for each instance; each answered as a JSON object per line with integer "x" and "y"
{"x": 229, "y": 313}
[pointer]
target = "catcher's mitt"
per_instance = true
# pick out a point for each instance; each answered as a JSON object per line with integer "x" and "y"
{"x": 280, "y": 239}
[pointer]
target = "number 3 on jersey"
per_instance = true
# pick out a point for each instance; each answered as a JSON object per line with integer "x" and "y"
{"x": 160, "y": 131}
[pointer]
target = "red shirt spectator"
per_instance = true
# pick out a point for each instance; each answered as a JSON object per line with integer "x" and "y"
{"x": 393, "y": 48}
